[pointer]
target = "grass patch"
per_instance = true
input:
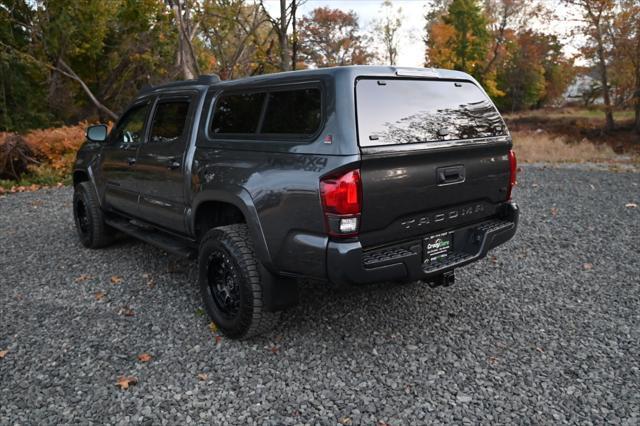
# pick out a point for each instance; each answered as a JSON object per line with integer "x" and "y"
{"x": 37, "y": 177}
{"x": 562, "y": 113}
{"x": 539, "y": 146}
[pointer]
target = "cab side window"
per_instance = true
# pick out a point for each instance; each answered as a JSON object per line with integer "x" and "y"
{"x": 237, "y": 113}
{"x": 130, "y": 130}
{"x": 169, "y": 121}
{"x": 293, "y": 112}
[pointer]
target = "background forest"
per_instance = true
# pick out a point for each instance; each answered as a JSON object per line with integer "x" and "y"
{"x": 65, "y": 62}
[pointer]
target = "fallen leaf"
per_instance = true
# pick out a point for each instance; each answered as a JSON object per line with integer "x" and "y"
{"x": 150, "y": 281}
{"x": 202, "y": 377}
{"x": 82, "y": 278}
{"x": 145, "y": 357}
{"x": 493, "y": 360}
{"x": 100, "y": 295}
{"x": 126, "y": 311}
{"x": 587, "y": 266}
{"x": 345, "y": 421}
{"x": 3, "y": 354}
{"x": 200, "y": 312}
{"x": 631, "y": 205}
{"x": 218, "y": 339}
{"x": 274, "y": 349}
{"x": 116, "y": 280}
{"x": 213, "y": 327}
{"x": 554, "y": 211}
{"x": 125, "y": 381}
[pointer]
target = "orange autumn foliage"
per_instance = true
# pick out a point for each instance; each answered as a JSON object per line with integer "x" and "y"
{"x": 57, "y": 146}
{"x": 51, "y": 151}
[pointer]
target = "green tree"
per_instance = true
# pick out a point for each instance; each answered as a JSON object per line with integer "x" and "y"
{"x": 22, "y": 83}
{"x": 522, "y": 75}
{"x": 470, "y": 41}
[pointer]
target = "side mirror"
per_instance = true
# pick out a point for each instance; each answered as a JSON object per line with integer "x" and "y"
{"x": 97, "y": 133}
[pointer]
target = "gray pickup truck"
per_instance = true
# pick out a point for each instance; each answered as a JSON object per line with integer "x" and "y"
{"x": 350, "y": 175}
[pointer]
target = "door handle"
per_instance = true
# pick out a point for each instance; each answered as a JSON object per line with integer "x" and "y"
{"x": 451, "y": 174}
{"x": 174, "y": 164}
{"x": 131, "y": 161}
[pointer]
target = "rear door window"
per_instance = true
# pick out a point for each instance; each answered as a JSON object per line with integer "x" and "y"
{"x": 396, "y": 111}
{"x": 293, "y": 112}
{"x": 237, "y": 113}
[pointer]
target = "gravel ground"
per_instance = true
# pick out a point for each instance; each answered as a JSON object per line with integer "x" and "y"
{"x": 547, "y": 330}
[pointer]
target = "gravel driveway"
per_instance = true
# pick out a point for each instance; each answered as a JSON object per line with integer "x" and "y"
{"x": 546, "y": 330}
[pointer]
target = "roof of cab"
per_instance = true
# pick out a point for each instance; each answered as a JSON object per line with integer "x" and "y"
{"x": 352, "y": 72}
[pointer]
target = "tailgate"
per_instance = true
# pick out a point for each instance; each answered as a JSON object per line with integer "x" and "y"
{"x": 434, "y": 157}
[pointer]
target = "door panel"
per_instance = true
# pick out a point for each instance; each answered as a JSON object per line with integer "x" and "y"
{"x": 160, "y": 164}
{"x": 119, "y": 162}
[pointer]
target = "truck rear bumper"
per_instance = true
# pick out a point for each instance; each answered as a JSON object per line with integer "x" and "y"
{"x": 348, "y": 263}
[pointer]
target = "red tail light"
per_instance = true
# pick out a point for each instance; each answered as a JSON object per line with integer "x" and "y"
{"x": 513, "y": 170}
{"x": 342, "y": 202}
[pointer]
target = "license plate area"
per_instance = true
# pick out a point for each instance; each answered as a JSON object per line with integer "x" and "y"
{"x": 437, "y": 247}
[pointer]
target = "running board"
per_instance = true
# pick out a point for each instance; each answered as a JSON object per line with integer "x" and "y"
{"x": 154, "y": 237}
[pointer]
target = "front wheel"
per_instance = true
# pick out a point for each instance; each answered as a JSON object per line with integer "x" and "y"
{"x": 89, "y": 219}
{"x": 230, "y": 283}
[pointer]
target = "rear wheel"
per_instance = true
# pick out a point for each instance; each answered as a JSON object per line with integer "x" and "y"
{"x": 92, "y": 230}
{"x": 230, "y": 283}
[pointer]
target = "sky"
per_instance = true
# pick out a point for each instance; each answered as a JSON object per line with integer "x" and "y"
{"x": 411, "y": 46}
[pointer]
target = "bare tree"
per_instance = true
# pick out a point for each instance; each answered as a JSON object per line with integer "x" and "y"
{"x": 234, "y": 31}
{"x": 387, "y": 30}
{"x": 280, "y": 26}
{"x": 597, "y": 17}
{"x": 186, "y": 60}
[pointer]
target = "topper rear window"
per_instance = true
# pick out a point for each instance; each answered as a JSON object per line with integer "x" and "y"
{"x": 401, "y": 111}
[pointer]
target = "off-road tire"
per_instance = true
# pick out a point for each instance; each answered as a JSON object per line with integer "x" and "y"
{"x": 232, "y": 245}
{"x": 89, "y": 218}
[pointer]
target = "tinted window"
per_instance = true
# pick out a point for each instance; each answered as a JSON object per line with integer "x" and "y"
{"x": 237, "y": 113}
{"x": 293, "y": 112}
{"x": 130, "y": 130}
{"x": 169, "y": 121}
{"x": 406, "y": 111}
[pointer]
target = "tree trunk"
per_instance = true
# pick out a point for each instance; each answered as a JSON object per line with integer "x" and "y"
{"x": 294, "y": 44}
{"x": 284, "y": 42}
{"x": 637, "y": 108}
{"x": 637, "y": 91}
{"x": 185, "y": 57}
{"x": 605, "y": 87}
{"x": 602, "y": 62}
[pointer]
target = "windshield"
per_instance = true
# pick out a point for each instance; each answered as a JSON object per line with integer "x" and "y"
{"x": 396, "y": 111}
